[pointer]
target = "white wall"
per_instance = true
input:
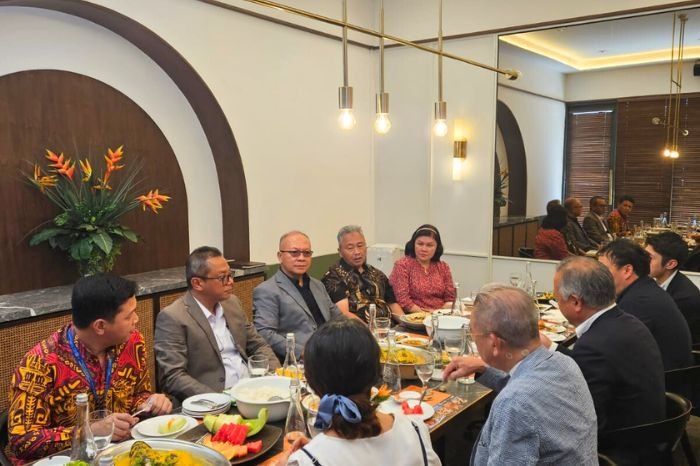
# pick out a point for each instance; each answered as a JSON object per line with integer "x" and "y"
{"x": 626, "y": 82}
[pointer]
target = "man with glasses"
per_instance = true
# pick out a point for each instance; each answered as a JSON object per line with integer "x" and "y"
{"x": 203, "y": 340}
{"x": 353, "y": 284}
{"x": 291, "y": 301}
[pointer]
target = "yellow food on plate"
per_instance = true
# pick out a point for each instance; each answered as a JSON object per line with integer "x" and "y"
{"x": 420, "y": 342}
{"x": 141, "y": 453}
{"x": 291, "y": 373}
{"x": 415, "y": 317}
{"x": 402, "y": 356}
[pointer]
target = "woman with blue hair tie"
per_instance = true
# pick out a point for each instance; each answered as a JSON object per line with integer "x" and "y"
{"x": 341, "y": 363}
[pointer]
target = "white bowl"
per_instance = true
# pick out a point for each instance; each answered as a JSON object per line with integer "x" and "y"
{"x": 249, "y": 408}
{"x": 447, "y": 325}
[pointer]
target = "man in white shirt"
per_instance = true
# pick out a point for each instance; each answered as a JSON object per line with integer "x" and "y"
{"x": 668, "y": 253}
{"x": 203, "y": 340}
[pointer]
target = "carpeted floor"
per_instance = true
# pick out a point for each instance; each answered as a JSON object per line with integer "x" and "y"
{"x": 693, "y": 430}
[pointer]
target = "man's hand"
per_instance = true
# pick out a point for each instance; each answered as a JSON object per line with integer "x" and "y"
{"x": 298, "y": 443}
{"x": 157, "y": 404}
{"x": 462, "y": 367}
{"x": 123, "y": 423}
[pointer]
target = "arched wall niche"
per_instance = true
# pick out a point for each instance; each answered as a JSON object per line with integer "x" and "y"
{"x": 517, "y": 161}
{"x": 80, "y": 116}
{"x": 229, "y": 168}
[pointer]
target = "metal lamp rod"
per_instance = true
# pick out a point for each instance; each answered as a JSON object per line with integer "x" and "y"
{"x": 510, "y": 74}
{"x": 440, "y": 55}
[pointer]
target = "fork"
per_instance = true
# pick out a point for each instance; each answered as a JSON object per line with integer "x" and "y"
{"x": 207, "y": 403}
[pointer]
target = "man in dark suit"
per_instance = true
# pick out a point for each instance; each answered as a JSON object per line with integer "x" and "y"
{"x": 668, "y": 253}
{"x": 291, "y": 301}
{"x": 573, "y": 230}
{"x": 627, "y": 390}
{"x": 204, "y": 339}
{"x": 639, "y": 295}
{"x": 595, "y": 224}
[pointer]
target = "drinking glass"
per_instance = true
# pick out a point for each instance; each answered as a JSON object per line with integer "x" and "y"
{"x": 102, "y": 427}
{"x": 258, "y": 365}
{"x": 470, "y": 349}
{"x": 424, "y": 370}
{"x": 383, "y": 324}
{"x": 454, "y": 344}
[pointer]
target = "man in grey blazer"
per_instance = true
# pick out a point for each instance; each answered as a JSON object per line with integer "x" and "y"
{"x": 595, "y": 224}
{"x": 290, "y": 300}
{"x": 203, "y": 340}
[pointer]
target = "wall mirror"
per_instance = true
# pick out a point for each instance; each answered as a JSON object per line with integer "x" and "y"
{"x": 589, "y": 117}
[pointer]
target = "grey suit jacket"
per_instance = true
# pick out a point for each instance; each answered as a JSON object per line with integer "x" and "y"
{"x": 188, "y": 357}
{"x": 279, "y": 308}
{"x": 575, "y": 232}
{"x": 594, "y": 229}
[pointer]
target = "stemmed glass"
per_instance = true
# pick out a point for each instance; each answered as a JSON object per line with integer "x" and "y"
{"x": 424, "y": 370}
{"x": 515, "y": 279}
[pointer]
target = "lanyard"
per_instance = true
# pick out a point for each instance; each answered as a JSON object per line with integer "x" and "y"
{"x": 81, "y": 362}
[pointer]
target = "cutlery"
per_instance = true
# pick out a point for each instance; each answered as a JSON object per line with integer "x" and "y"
{"x": 206, "y": 403}
{"x": 143, "y": 410}
{"x": 420, "y": 400}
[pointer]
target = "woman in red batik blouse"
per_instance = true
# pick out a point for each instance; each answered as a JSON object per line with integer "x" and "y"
{"x": 421, "y": 281}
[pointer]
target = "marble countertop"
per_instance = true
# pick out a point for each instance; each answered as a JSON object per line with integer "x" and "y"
{"x": 33, "y": 303}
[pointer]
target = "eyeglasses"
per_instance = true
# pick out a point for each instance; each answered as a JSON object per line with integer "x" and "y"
{"x": 222, "y": 278}
{"x": 297, "y": 253}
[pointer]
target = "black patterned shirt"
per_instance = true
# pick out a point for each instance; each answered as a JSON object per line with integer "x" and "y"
{"x": 361, "y": 289}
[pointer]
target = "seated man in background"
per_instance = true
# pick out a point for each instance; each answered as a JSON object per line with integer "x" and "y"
{"x": 573, "y": 229}
{"x": 639, "y": 295}
{"x": 595, "y": 224}
{"x": 353, "y": 284}
{"x": 618, "y": 218}
{"x": 668, "y": 253}
{"x": 99, "y": 353}
{"x": 627, "y": 391}
{"x": 203, "y": 340}
{"x": 533, "y": 384}
{"x": 290, "y": 300}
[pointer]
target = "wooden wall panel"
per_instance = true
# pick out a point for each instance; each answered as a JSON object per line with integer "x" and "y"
{"x": 79, "y": 115}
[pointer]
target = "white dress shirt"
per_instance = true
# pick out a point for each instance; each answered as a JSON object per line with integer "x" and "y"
{"x": 234, "y": 365}
{"x": 585, "y": 325}
{"x": 667, "y": 282}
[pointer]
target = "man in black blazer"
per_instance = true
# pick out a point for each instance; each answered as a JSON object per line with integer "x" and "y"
{"x": 668, "y": 252}
{"x": 615, "y": 351}
{"x": 639, "y": 295}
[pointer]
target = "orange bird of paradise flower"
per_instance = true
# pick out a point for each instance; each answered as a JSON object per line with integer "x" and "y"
{"x": 153, "y": 200}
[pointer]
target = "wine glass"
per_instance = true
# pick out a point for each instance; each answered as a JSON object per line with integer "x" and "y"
{"x": 514, "y": 279}
{"x": 102, "y": 428}
{"x": 424, "y": 370}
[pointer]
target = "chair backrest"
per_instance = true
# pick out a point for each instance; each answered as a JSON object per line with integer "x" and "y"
{"x": 686, "y": 382}
{"x": 664, "y": 434}
{"x": 526, "y": 252}
{"x": 605, "y": 461}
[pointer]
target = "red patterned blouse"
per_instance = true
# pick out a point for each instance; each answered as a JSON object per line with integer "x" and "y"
{"x": 427, "y": 289}
{"x": 43, "y": 389}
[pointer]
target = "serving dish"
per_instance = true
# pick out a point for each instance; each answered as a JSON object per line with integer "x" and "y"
{"x": 250, "y": 408}
{"x": 207, "y": 456}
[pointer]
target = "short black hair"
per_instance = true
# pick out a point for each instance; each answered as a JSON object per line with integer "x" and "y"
{"x": 342, "y": 358}
{"x": 196, "y": 265}
{"x": 425, "y": 230}
{"x": 552, "y": 203}
{"x": 623, "y": 252}
{"x": 591, "y": 202}
{"x": 556, "y": 218}
{"x": 99, "y": 296}
{"x": 624, "y": 198}
{"x": 669, "y": 245}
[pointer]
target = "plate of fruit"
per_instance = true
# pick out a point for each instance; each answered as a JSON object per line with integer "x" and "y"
{"x": 239, "y": 439}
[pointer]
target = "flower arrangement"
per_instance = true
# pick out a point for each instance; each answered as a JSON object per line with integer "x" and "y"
{"x": 88, "y": 228}
{"x": 500, "y": 185}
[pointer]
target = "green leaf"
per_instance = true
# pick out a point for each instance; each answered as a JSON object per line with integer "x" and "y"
{"x": 45, "y": 234}
{"x": 82, "y": 249}
{"x": 87, "y": 227}
{"x": 127, "y": 233}
{"x": 102, "y": 240}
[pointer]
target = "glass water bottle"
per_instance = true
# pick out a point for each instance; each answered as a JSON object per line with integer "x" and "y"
{"x": 295, "y": 425}
{"x": 391, "y": 374}
{"x": 82, "y": 443}
{"x": 457, "y": 309}
{"x": 290, "y": 367}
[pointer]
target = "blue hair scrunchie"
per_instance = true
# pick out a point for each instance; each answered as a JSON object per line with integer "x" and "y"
{"x": 336, "y": 404}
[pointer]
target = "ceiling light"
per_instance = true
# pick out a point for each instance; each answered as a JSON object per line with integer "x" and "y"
{"x": 382, "y": 123}
{"x": 673, "y": 105}
{"x": 346, "y": 119}
{"x": 440, "y": 121}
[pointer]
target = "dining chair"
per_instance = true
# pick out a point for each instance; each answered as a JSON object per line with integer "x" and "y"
{"x": 4, "y": 460}
{"x": 605, "y": 461}
{"x": 663, "y": 435}
{"x": 524, "y": 251}
{"x": 686, "y": 382}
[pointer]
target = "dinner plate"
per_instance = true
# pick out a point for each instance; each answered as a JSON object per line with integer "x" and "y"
{"x": 555, "y": 337}
{"x": 53, "y": 461}
{"x": 553, "y": 328}
{"x": 557, "y": 318}
{"x": 416, "y": 325}
{"x": 269, "y": 436}
{"x": 413, "y": 340}
{"x": 149, "y": 427}
{"x": 544, "y": 307}
{"x": 392, "y": 407}
{"x": 222, "y": 400}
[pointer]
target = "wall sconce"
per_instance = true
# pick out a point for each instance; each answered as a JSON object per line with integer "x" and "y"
{"x": 459, "y": 155}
